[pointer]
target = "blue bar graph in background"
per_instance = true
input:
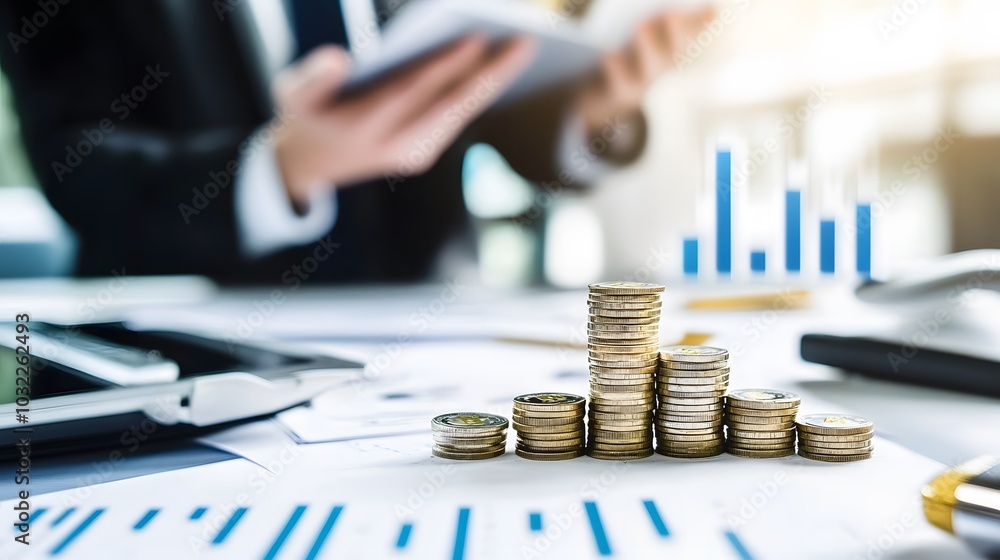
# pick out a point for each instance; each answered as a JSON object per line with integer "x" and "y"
{"x": 691, "y": 256}
{"x": 145, "y": 519}
{"x": 864, "y": 239}
{"x": 758, "y": 261}
{"x": 229, "y": 526}
{"x": 723, "y": 212}
{"x": 793, "y": 230}
{"x": 461, "y": 532}
{"x": 279, "y": 541}
{"x": 597, "y": 527}
{"x": 828, "y": 246}
{"x": 656, "y": 518}
{"x": 404, "y": 535}
{"x": 76, "y": 532}
{"x": 535, "y": 521}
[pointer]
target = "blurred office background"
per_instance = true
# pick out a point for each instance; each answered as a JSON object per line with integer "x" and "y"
{"x": 892, "y": 103}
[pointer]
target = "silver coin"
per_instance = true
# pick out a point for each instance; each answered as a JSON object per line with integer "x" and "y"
{"x": 697, "y": 354}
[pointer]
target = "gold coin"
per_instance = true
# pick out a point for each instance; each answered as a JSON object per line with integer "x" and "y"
{"x": 462, "y": 442}
{"x": 692, "y": 366}
{"x": 686, "y": 374}
{"x": 550, "y": 456}
{"x": 770, "y": 454}
{"x": 559, "y": 429}
{"x": 576, "y": 439}
{"x": 622, "y": 349}
{"x": 764, "y": 434}
{"x": 622, "y": 306}
{"x": 625, "y": 288}
{"x": 695, "y": 381}
{"x": 470, "y": 447}
{"x": 595, "y": 380}
{"x": 714, "y": 436}
{"x": 477, "y": 423}
{"x": 548, "y": 414}
{"x": 690, "y": 401}
{"x": 641, "y": 434}
{"x": 696, "y": 354}
{"x": 623, "y": 409}
{"x": 835, "y": 424}
{"x": 600, "y": 319}
{"x": 466, "y": 456}
{"x": 526, "y": 421}
{"x": 714, "y": 430}
{"x": 760, "y": 446}
{"x": 673, "y": 408}
{"x": 621, "y": 371}
{"x": 742, "y": 442}
{"x": 836, "y": 458}
{"x": 632, "y": 297}
{"x": 763, "y": 399}
{"x": 829, "y": 451}
{"x": 559, "y": 436}
{"x": 823, "y": 440}
{"x": 740, "y": 419}
{"x": 625, "y": 313}
{"x": 697, "y": 454}
{"x": 690, "y": 417}
{"x": 620, "y": 455}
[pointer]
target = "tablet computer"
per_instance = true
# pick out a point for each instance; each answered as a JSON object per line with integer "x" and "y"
{"x": 67, "y": 388}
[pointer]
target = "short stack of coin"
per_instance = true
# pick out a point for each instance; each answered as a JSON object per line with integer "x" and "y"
{"x": 549, "y": 426}
{"x": 623, "y": 346}
{"x": 835, "y": 438}
{"x": 469, "y": 435}
{"x": 761, "y": 423}
{"x": 690, "y": 388}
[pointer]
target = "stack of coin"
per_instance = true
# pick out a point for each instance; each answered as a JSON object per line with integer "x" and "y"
{"x": 549, "y": 426}
{"x": 761, "y": 423}
{"x": 689, "y": 387}
{"x": 835, "y": 438}
{"x": 469, "y": 435}
{"x": 623, "y": 342}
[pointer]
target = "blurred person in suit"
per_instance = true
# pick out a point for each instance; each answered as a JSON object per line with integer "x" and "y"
{"x": 209, "y": 137}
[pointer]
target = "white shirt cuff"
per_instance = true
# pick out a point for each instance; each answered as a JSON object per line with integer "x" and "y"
{"x": 265, "y": 217}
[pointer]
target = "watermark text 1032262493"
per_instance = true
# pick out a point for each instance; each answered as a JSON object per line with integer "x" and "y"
{"x": 22, "y": 401}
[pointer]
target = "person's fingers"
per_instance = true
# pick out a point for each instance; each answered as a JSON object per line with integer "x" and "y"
{"x": 651, "y": 49}
{"x": 311, "y": 83}
{"x": 445, "y": 118}
{"x": 423, "y": 80}
{"x": 620, "y": 81}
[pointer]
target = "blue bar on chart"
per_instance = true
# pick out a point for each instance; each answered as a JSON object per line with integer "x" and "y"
{"x": 461, "y": 532}
{"x": 828, "y": 246}
{"x": 229, "y": 526}
{"x": 535, "y": 521}
{"x": 723, "y": 212}
{"x": 141, "y": 524}
{"x": 279, "y": 541}
{"x": 793, "y": 230}
{"x": 597, "y": 527}
{"x": 864, "y": 239}
{"x": 76, "y": 532}
{"x": 758, "y": 261}
{"x": 654, "y": 516}
{"x": 404, "y": 535}
{"x": 62, "y": 516}
{"x": 198, "y": 513}
{"x": 691, "y": 256}
{"x": 738, "y": 546}
{"x": 324, "y": 533}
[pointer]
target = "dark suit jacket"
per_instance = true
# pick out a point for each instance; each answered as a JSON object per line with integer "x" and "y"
{"x": 136, "y": 113}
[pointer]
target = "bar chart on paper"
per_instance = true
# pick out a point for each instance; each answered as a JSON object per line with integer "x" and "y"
{"x": 836, "y": 234}
{"x": 313, "y": 531}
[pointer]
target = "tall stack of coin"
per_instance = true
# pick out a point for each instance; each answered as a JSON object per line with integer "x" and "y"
{"x": 690, "y": 388}
{"x": 549, "y": 426}
{"x": 469, "y": 435}
{"x": 835, "y": 438}
{"x": 761, "y": 423}
{"x": 623, "y": 342}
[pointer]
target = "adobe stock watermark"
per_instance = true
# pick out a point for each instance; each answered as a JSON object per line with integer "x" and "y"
{"x": 581, "y": 159}
{"x": 892, "y": 533}
{"x": 928, "y": 327}
{"x": 898, "y": 17}
{"x": 785, "y": 128}
{"x": 33, "y": 24}
{"x": 419, "y": 321}
{"x": 121, "y": 107}
{"x": 424, "y": 150}
{"x": 697, "y": 45}
{"x": 221, "y": 179}
{"x": 560, "y": 522}
{"x": 757, "y": 501}
{"x": 291, "y": 279}
{"x": 259, "y": 481}
{"x": 754, "y": 328}
{"x": 419, "y": 496}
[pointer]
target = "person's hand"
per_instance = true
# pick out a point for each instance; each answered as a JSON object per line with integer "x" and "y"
{"x": 625, "y": 75}
{"x": 398, "y": 126}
